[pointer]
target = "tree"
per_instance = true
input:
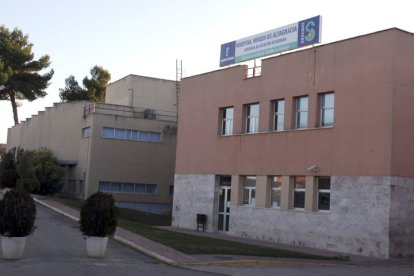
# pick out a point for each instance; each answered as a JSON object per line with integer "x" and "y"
{"x": 93, "y": 89}
{"x": 4, "y": 74}
{"x": 47, "y": 171}
{"x": 24, "y": 82}
{"x": 72, "y": 91}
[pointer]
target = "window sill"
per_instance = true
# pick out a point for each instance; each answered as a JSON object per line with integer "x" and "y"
{"x": 275, "y": 131}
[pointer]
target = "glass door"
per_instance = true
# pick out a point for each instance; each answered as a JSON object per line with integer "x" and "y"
{"x": 224, "y": 208}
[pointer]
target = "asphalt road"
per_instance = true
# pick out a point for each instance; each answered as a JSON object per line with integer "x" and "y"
{"x": 57, "y": 248}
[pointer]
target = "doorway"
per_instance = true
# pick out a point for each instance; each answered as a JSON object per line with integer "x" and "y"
{"x": 224, "y": 208}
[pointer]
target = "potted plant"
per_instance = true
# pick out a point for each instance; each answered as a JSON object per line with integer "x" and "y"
{"x": 17, "y": 219}
{"x": 98, "y": 220}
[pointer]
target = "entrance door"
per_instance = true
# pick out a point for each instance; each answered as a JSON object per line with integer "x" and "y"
{"x": 224, "y": 208}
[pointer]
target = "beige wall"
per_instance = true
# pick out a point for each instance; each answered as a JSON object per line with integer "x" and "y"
{"x": 116, "y": 160}
{"x": 58, "y": 128}
{"x": 143, "y": 92}
{"x": 362, "y": 72}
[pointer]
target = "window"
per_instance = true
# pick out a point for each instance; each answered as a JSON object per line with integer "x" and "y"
{"x": 86, "y": 132}
{"x": 279, "y": 115}
{"x": 275, "y": 191}
{"x": 327, "y": 109}
{"x": 249, "y": 190}
{"x": 134, "y": 135}
{"x": 108, "y": 132}
{"x": 299, "y": 192}
{"x": 117, "y": 187}
{"x": 324, "y": 193}
{"x": 302, "y": 112}
{"x": 71, "y": 186}
{"x": 252, "y": 118}
{"x": 227, "y": 120}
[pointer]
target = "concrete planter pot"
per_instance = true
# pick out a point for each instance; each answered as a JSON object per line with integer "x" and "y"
{"x": 96, "y": 246}
{"x": 13, "y": 247}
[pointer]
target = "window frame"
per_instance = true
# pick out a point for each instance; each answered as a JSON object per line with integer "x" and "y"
{"x": 299, "y": 111}
{"x": 279, "y": 189}
{"x": 250, "y": 117}
{"x": 226, "y": 123}
{"x": 86, "y": 132}
{"x": 325, "y": 191}
{"x": 299, "y": 190}
{"x": 277, "y": 114}
{"x": 324, "y": 108}
{"x": 250, "y": 189}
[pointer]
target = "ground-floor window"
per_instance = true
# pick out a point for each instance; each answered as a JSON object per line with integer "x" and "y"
{"x": 249, "y": 190}
{"x": 299, "y": 183}
{"x": 324, "y": 193}
{"x": 119, "y": 187}
{"x": 275, "y": 191}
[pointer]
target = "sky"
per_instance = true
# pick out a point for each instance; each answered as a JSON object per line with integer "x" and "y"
{"x": 147, "y": 37}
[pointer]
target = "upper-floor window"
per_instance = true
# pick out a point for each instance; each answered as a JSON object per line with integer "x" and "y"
{"x": 275, "y": 191}
{"x": 302, "y": 112}
{"x": 327, "y": 101}
{"x": 252, "y": 118}
{"x": 299, "y": 192}
{"x": 227, "y": 114}
{"x": 249, "y": 190}
{"x": 279, "y": 115}
{"x": 86, "y": 132}
{"x": 324, "y": 193}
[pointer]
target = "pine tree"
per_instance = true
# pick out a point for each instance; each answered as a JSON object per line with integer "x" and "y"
{"x": 23, "y": 80}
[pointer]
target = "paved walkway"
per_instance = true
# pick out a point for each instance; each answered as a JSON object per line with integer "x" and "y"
{"x": 174, "y": 257}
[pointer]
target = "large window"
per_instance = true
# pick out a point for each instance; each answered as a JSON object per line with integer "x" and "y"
{"x": 327, "y": 101}
{"x": 299, "y": 192}
{"x": 252, "y": 118}
{"x": 249, "y": 190}
{"x": 127, "y": 134}
{"x": 227, "y": 114}
{"x": 279, "y": 115}
{"x": 275, "y": 191}
{"x": 302, "y": 112}
{"x": 118, "y": 187}
{"x": 324, "y": 193}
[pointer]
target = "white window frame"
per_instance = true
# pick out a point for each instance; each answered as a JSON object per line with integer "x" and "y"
{"x": 275, "y": 189}
{"x": 299, "y": 190}
{"x": 251, "y": 200}
{"x": 300, "y": 111}
{"x": 277, "y": 114}
{"x": 324, "y": 191}
{"x": 325, "y": 108}
{"x": 226, "y": 123}
{"x": 254, "y": 119}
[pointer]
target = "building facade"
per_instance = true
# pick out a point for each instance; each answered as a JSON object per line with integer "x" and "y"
{"x": 316, "y": 151}
{"x": 127, "y": 148}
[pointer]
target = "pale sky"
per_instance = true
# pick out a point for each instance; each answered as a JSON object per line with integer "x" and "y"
{"x": 146, "y": 37}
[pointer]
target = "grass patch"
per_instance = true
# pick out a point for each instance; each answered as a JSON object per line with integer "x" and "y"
{"x": 143, "y": 224}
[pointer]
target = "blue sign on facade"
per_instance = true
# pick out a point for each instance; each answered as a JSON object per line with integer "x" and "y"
{"x": 292, "y": 36}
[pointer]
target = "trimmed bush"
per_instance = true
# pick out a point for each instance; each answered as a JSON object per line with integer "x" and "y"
{"x": 98, "y": 216}
{"x": 17, "y": 214}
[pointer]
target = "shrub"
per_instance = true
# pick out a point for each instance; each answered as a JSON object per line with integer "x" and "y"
{"x": 98, "y": 216}
{"x": 17, "y": 214}
{"x": 47, "y": 171}
{"x": 28, "y": 184}
{"x": 8, "y": 173}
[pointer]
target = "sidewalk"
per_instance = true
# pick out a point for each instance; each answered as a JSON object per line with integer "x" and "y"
{"x": 173, "y": 257}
